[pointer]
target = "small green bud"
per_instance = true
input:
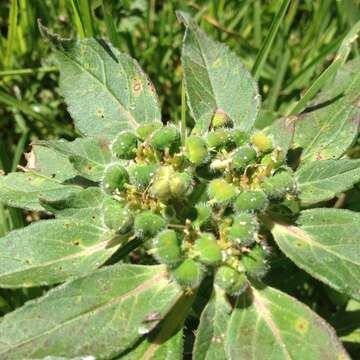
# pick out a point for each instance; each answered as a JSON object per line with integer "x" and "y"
{"x": 279, "y": 185}
{"x": 219, "y": 138}
{"x": 251, "y": 201}
{"x": 239, "y": 137}
{"x": 168, "y": 137}
{"x": 147, "y": 224}
{"x": 230, "y": 280}
{"x": 115, "y": 178}
{"x": 166, "y": 248}
{"x": 220, "y": 119}
{"x": 274, "y": 159}
{"x": 254, "y": 262}
{"x": 196, "y": 150}
{"x": 160, "y": 187}
{"x": 203, "y": 215}
{"x": 243, "y": 229}
{"x": 243, "y": 156}
{"x": 145, "y": 130}
{"x": 125, "y": 145}
{"x": 141, "y": 175}
{"x": 116, "y": 216}
{"x": 221, "y": 191}
{"x": 208, "y": 249}
{"x": 180, "y": 185}
{"x": 189, "y": 274}
{"x": 262, "y": 142}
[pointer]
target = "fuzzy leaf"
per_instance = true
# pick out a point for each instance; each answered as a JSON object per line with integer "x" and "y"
{"x": 325, "y": 243}
{"x": 210, "y": 335}
{"x": 106, "y": 91}
{"x": 215, "y": 79}
{"x": 323, "y": 180}
{"x": 267, "y": 323}
{"x": 50, "y": 251}
{"x": 101, "y": 315}
{"x": 331, "y": 126}
{"x": 23, "y": 190}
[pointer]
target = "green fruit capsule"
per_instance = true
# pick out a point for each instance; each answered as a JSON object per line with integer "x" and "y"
{"x": 262, "y": 142}
{"x": 208, "y": 249}
{"x": 147, "y": 224}
{"x": 275, "y": 159}
{"x": 168, "y": 137}
{"x": 279, "y": 185}
{"x": 230, "y": 280}
{"x": 196, "y": 150}
{"x": 160, "y": 187}
{"x": 255, "y": 262}
{"x": 116, "y": 216}
{"x": 221, "y": 119}
{"x": 242, "y": 157}
{"x": 243, "y": 229}
{"x": 166, "y": 248}
{"x": 144, "y": 131}
{"x": 141, "y": 175}
{"x": 180, "y": 185}
{"x": 251, "y": 201}
{"x": 189, "y": 274}
{"x": 220, "y": 191}
{"x": 115, "y": 179}
{"x": 219, "y": 138}
{"x": 125, "y": 145}
{"x": 203, "y": 215}
{"x": 239, "y": 137}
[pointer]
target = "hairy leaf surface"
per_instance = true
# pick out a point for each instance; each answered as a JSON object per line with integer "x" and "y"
{"x": 325, "y": 243}
{"x": 101, "y": 315}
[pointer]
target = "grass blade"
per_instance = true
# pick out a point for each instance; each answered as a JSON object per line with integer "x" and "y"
{"x": 11, "y": 35}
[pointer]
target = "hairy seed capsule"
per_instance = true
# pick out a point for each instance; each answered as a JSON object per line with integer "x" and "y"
{"x": 180, "y": 185}
{"x": 144, "y": 131}
{"x": 251, "y": 201}
{"x": 141, "y": 175}
{"x": 147, "y": 224}
{"x": 279, "y": 185}
{"x": 242, "y": 157}
{"x": 203, "y": 216}
{"x": 254, "y": 262}
{"x": 116, "y": 216}
{"x": 168, "y": 137}
{"x": 125, "y": 145}
{"x": 196, "y": 150}
{"x": 219, "y": 138}
{"x": 160, "y": 187}
{"x": 189, "y": 274}
{"x": 220, "y": 119}
{"x": 208, "y": 249}
{"x": 230, "y": 280}
{"x": 262, "y": 142}
{"x": 274, "y": 160}
{"x": 166, "y": 248}
{"x": 221, "y": 191}
{"x": 239, "y": 137}
{"x": 243, "y": 229}
{"x": 115, "y": 178}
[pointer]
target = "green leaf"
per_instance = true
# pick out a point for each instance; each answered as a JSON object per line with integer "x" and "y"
{"x": 325, "y": 243}
{"x": 50, "y": 251}
{"x": 215, "y": 79}
{"x": 267, "y": 323}
{"x": 106, "y": 91}
{"x": 101, "y": 315}
{"x": 282, "y": 131}
{"x": 23, "y": 190}
{"x": 323, "y": 180}
{"x": 210, "y": 335}
{"x": 331, "y": 126}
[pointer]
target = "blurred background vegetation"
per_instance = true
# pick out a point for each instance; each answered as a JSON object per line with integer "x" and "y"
{"x": 31, "y": 107}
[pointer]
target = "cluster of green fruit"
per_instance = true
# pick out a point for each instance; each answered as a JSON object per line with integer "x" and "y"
{"x": 198, "y": 206}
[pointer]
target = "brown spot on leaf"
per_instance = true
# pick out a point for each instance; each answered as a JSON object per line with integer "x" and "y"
{"x": 137, "y": 86}
{"x": 301, "y": 326}
{"x": 100, "y": 112}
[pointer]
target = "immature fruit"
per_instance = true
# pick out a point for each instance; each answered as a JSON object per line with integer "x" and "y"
{"x": 208, "y": 249}
{"x": 275, "y": 159}
{"x": 144, "y": 131}
{"x": 141, "y": 175}
{"x": 239, "y": 137}
{"x": 243, "y": 229}
{"x": 166, "y": 248}
{"x": 203, "y": 215}
{"x": 262, "y": 142}
{"x": 115, "y": 179}
{"x": 160, "y": 187}
{"x": 189, "y": 274}
{"x": 230, "y": 280}
{"x": 221, "y": 191}
{"x": 219, "y": 138}
{"x": 254, "y": 262}
{"x": 196, "y": 150}
{"x": 125, "y": 145}
{"x": 277, "y": 186}
{"x": 243, "y": 156}
{"x": 220, "y": 119}
{"x": 180, "y": 185}
{"x": 116, "y": 216}
{"x": 147, "y": 224}
{"x": 251, "y": 201}
{"x": 168, "y": 137}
